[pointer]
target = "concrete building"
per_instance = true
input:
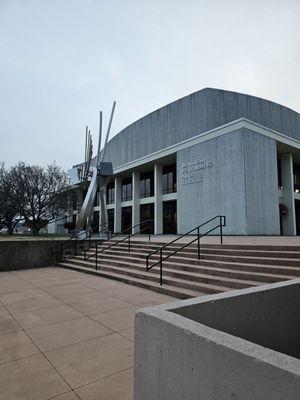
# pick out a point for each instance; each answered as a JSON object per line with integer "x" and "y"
{"x": 211, "y": 153}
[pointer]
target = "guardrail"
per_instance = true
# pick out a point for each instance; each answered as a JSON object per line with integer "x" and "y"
{"x": 221, "y": 224}
{"x": 148, "y": 223}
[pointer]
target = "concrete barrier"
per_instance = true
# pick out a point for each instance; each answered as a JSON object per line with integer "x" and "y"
{"x": 241, "y": 344}
{"x": 20, "y": 254}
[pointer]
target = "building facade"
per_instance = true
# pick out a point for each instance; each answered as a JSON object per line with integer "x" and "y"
{"x": 211, "y": 153}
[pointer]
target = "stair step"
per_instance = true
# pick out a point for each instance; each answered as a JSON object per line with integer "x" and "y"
{"x": 220, "y": 246}
{"x": 185, "y": 276}
{"x": 220, "y": 268}
{"x": 147, "y": 275}
{"x": 269, "y": 247}
{"x": 192, "y": 249}
{"x": 165, "y": 289}
{"x": 268, "y": 277}
{"x": 294, "y": 263}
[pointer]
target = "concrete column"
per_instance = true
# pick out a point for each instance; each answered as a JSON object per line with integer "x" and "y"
{"x": 158, "y": 208}
{"x": 118, "y": 200}
{"x": 289, "y": 220}
{"x": 135, "y": 200}
{"x": 79, "y": 199}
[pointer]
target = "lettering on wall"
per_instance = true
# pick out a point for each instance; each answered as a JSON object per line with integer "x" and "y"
{"x": 191, "y": 170}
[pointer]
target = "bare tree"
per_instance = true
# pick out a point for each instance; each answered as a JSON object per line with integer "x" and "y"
{"x": 40, "y": 193}
{"x": 9, "y": 209}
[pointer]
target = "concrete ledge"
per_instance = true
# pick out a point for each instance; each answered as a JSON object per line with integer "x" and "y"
{"x": 17, "y": 254}
{"x": 242, "y": 344}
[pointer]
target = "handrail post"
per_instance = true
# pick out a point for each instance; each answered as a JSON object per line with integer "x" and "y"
{"x": 84, "y": 254}
{"x": 221, "y": 230}
{"x": 96, "y": 258}
{"x": 129, "y": 243}
{"x": 149, "y": 227}
{"x": 76, "y": 246}
{"x": 198, "y": 233}
{"x": 160, "y": 280}
{"x": 147, "y": 263}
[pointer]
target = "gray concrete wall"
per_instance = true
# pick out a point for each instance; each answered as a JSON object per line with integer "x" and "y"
{"x": 238, "y": 180}
{"x": 261, "y": 184}
{"x": 268, "y": 318}
{"x": 221, "y": 189}
{"x": 178, "y": 358}
{"x": 17, "y": 254}
{"x": 193, "y": 115}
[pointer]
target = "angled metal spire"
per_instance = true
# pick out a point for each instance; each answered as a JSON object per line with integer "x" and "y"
{"x": 108, "y": 131}
{"x": 100, "y": 137}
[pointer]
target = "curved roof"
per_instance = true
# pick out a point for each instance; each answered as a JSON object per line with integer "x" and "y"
{"x": 194, "y": 114}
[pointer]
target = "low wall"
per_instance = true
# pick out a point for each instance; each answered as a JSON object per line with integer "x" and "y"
{"x": 20, "y": 254}
{"x": 238, "y": 345}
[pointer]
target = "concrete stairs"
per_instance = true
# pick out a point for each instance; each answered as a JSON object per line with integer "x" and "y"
{"x": 221, "y": 267}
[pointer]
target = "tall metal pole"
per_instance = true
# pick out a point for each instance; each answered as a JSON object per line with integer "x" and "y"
{"x": 86, "y": 141}
{"x": 100, "y": 137}
{"x": 108, "y": 130}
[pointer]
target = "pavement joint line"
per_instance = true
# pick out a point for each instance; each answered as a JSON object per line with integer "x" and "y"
{"x": 104, "y": 377}
{"x": 61, "y": 394}
{"x": 20, "y": 358}
{"x": 34, "y": 309}
{"x": 125, "y": 337}
{"x": 114, "y": 331}
{"x": 79, "y": 342}
{"x": 54, "y": 323}
{"x": 88, "y": 315}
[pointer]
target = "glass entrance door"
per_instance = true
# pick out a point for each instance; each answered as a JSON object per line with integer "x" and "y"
{"x": 111, "y": 219}
{"x": 170, "y": 217}
{"x": 126, "y": 219}
{"x": 147, "y": 213}
{"x": 95, "y": 222}
{"x": 297, "y": 210}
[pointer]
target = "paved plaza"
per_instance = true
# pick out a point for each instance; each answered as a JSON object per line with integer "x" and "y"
{"x": 66, "y": 335}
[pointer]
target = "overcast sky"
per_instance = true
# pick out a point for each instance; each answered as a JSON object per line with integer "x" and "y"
{"x": 61, "y": 61}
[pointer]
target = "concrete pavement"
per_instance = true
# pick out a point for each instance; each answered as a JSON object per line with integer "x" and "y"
{"x": 66, "y": 335}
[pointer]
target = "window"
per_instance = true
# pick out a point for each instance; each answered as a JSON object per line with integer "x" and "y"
{"x": 169, "y": 179}
{"x": 95, "y": 222}
{"x": 296, "y": 169}
{"x": 279, "y": 173}
{"x": 126, "y": 189}
{"x": 110, "y": 193}
{"x": 147, "y": 184}
{"x": 73, "y": 199}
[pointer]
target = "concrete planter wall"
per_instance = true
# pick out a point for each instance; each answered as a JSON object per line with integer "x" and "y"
{"x": 242, "y": 345}
{"x": 19, "y": 254}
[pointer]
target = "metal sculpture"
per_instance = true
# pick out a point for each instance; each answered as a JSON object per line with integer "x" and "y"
{"x": 99, "y": 176}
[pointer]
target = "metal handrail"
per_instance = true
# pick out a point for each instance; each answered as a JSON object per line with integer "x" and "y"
{"x": 126, "y": 230}
{"x": 148, "y": 222}
{"x": 222, "y": 223}
{"x": 74, "y": 239}
{"x": 134, "y": 226}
